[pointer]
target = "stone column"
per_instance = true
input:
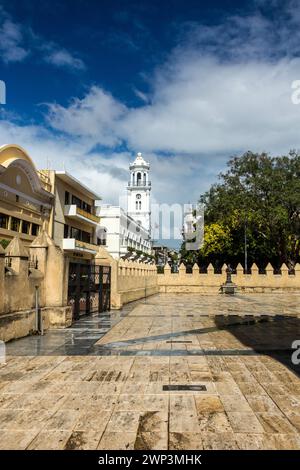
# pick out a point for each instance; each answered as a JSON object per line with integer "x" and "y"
{"x": 18, "y": 254}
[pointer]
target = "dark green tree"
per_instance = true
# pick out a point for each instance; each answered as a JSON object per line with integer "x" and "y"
{"x": 258, "y": 195}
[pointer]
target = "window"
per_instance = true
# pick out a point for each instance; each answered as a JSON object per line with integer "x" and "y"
{"x": 86, "y": 207}
{"x": 137, "y": 205}
{"x": 25, "y": 226}
{"x": 15, "y": 224}
{"x": 101, "y": 241}
{"x": 17, "y": 198}
{"x": 66, "y": 231}
{"x": 80, "y": 235}
{"x": 81, "y": 204}
{"x": 35, "y": 229}
{"x": 140, "y": 205}
{"x": 76, "y": 201}
{"x": 67, "y": 198}
{"x": 85, "y": 237}
{"x": 3, "y": 221}
{"x": 75, "y": 233}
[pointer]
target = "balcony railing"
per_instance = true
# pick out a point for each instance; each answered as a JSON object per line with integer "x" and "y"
{"x": 88, "y": 215}
{"x": 77, "y": 245}
{"x": 139, "y": 183}
{"x": 75, "y": 211}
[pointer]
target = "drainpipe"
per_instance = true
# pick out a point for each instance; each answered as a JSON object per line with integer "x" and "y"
{"x": 38, "y": 314}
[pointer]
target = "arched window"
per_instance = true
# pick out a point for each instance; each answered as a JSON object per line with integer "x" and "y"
{"x": 140, "y": 205}
{"x": 139, "y": 178}
{"x": 136, "y": 205}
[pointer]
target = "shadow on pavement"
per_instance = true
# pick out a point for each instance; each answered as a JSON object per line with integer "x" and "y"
{"x": 265, "y": 334}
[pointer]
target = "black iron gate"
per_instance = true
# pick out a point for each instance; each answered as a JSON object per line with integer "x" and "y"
{"x": 88, "y": 289}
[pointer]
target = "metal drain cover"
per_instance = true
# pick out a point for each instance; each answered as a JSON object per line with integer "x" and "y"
{"x": 172, "y": 341}
{"x": 192, "y": 388}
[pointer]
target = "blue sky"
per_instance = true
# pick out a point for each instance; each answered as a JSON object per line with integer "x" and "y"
{"x": 113, "y": 43}
{"x": 188, "y": 83}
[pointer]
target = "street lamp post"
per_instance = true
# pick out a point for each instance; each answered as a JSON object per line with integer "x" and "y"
{"x": 245, "y": 246}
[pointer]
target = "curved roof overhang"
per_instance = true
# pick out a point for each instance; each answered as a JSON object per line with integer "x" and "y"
{"x": 13, "y": 155}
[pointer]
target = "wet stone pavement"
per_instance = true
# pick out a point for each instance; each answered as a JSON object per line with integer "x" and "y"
{"x": 171, "y": 372}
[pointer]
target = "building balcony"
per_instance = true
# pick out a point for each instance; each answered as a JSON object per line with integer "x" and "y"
{"x": 139, "y": 184}
{"x": 71, "y": 244}
{"x": 75, "y": 212}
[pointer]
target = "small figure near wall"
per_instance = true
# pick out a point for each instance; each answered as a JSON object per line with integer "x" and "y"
{"x": 228, "y": 287}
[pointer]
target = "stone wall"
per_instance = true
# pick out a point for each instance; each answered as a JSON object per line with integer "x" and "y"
{"x": 210, "y": 282}
{"x": 32, "y": 278}
{"x": 135, "y": 281}
{"x": 129, "y": 280}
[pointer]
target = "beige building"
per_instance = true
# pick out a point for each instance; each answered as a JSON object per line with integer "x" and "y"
{"x": 74, "y": 228}
{"x": 53, "y": 269}
{"x": 25, "y": 196}
{"x": 73, "y": 221}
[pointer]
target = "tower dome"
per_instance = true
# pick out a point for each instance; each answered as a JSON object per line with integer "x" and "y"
{"x": 139, "y": 162}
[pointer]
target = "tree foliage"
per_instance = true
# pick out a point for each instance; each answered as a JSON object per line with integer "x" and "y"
{"x": 259, "y": 196}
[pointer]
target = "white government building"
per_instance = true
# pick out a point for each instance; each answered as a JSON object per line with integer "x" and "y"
{"x": 122, "y": 232}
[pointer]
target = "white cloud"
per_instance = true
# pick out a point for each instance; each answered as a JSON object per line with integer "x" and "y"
{"x": 94, "y": 117}
{"x": 63, "y": 58}
{"x": 11, "y": 42}
{"x": 18, "y": 42}
{"x": 201, "y": 105}
{"x": 225, "y": 89}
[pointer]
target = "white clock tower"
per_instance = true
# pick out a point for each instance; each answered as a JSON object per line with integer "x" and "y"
{"x": 138, "y": 193}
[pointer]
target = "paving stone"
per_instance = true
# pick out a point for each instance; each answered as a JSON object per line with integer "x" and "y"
{"x": 185, "y": 441}
{"x": 62, "y": 420}
{"x": 117, "y": 441}
{"x": 92, "y": 420}
{"x": 214, "y": 422}
{"x": 248, "y": 441}
{"x": 208, "y": 404}
{"x": 235, "y": 402}
{"x": 219, "y": 441}
{"x": 93, "y": 394}
{"x": 151, "y": 441}
{"x": 183, "y": 415}
{"x": 16, "y": 440}
{"x": 244, "y": 422}
{"x": 126, "y": 421}
{"x": 272, "y": 423}
{"x": 50, "y": 440}
{"x": 83, "y": 440}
